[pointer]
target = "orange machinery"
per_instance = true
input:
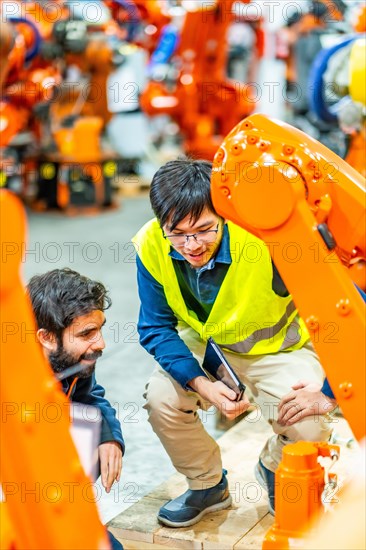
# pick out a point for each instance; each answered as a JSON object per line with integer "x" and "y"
{"x": 26, "y": 82}
{"x": 79, "y": 175}
{"x": 301, "y": 25}
{"x": 204, "y": 102}
{"x": 360, "y": 19}
{"x": 142, "y": 20}
{"x": 154, "y": 15}
{"x": 343, "y": 69}
{"x": 49, "y": 501}
{"x": 61, "y": 118}
{"x": 94, "y": 57}
{"x": 26, "y": 78}
{"x": 308, "y": 206}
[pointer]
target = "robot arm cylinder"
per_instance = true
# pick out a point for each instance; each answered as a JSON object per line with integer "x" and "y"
{"x": 307, "y": 204}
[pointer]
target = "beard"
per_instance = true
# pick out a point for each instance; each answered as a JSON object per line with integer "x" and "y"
{"x": 61, "y": 360}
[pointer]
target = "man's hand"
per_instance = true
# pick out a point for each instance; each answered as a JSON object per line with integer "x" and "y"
{"x": 306, "y": 399}
{"x": 220, "y": 395}
{"x": 110, "y": 456}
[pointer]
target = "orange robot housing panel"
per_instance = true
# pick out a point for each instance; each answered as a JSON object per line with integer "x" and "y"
{"x": 307, "y": 204}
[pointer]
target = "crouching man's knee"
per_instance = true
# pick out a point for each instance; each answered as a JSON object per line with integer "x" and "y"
{"x": 312, "y": 428}
{"x": 163, "y": 396}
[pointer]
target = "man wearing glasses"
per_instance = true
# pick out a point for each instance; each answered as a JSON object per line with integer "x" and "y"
{"x": 199, "y": 276}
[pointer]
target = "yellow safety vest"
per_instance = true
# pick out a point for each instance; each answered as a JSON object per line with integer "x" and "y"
{"x": 247, "y": 315}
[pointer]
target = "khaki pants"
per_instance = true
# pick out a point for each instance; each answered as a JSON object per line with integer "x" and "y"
{"x": 194, "y": 453}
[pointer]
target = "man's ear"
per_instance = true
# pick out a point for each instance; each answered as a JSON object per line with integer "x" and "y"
{"x": 47, "y": 339}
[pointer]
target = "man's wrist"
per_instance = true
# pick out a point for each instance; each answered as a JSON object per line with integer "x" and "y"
{"x": 112, "y": 441}
{"x": 198, "y": 383}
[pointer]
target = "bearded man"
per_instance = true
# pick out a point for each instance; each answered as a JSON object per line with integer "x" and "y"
{"x": 69, "y": 310}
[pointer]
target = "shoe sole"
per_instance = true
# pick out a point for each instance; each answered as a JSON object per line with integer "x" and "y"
{"x": 214, "y": 508}
{"x": 263, "y": 484}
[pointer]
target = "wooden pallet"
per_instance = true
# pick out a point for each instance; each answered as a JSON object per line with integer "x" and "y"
{"x": 241, "y": 527}
{"x": 138, "y": 528}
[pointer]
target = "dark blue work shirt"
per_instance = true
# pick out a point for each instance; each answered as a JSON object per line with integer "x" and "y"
{"x": 199, "y": 286}
{"x": 88, "y": 391}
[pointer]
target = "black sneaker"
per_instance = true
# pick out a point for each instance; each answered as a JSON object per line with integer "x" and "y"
{"x": 189, "y": 508}
{"x": 266, "y": 479}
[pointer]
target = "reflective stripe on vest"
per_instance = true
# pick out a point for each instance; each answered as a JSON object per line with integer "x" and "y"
{"x": 246, "y": 345}
{"x": 247, "y": 315}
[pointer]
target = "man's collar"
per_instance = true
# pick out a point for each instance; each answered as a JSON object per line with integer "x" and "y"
{"x": 223, "y": 255}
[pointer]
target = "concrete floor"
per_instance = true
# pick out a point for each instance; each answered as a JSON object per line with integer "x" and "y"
{"x": 100, "y": 248}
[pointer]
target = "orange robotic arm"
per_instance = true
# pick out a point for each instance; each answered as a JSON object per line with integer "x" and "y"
{"x": 49, "y": 502}
{"x": 308, "y": 206}
{"x": 204, "y": 101}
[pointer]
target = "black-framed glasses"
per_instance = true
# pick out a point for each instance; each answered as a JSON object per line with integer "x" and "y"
{"x": 201, "y": 237}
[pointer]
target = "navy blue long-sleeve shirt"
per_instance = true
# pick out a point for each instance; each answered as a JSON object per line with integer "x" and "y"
{"x": 88, "y": 391}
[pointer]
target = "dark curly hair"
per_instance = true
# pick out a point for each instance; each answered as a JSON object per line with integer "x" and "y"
{"x": 61, "y": 295}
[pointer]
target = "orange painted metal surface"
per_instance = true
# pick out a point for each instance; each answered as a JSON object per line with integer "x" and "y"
{"x": 360, "y": 19}
{"x": 356, "y": 153}
{"x": 154, "y": 15}
{"x": 82, "y": 141}
{"x": 96, "y": 63}
{"x": 281, "y": 185}
{"x": 289, "y": 190}
{"x": 299, "y": 487}
{"x": 48, "y": 498}
{"x": 13, "y": 50}
{"x": 24, "y": 84}
{"x": 204, "y": 101}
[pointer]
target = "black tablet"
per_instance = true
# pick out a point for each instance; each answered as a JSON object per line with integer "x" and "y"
{"x": 223, "y": 371}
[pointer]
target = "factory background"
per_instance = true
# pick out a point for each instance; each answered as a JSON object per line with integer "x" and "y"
{"x": 96, "y": 96}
